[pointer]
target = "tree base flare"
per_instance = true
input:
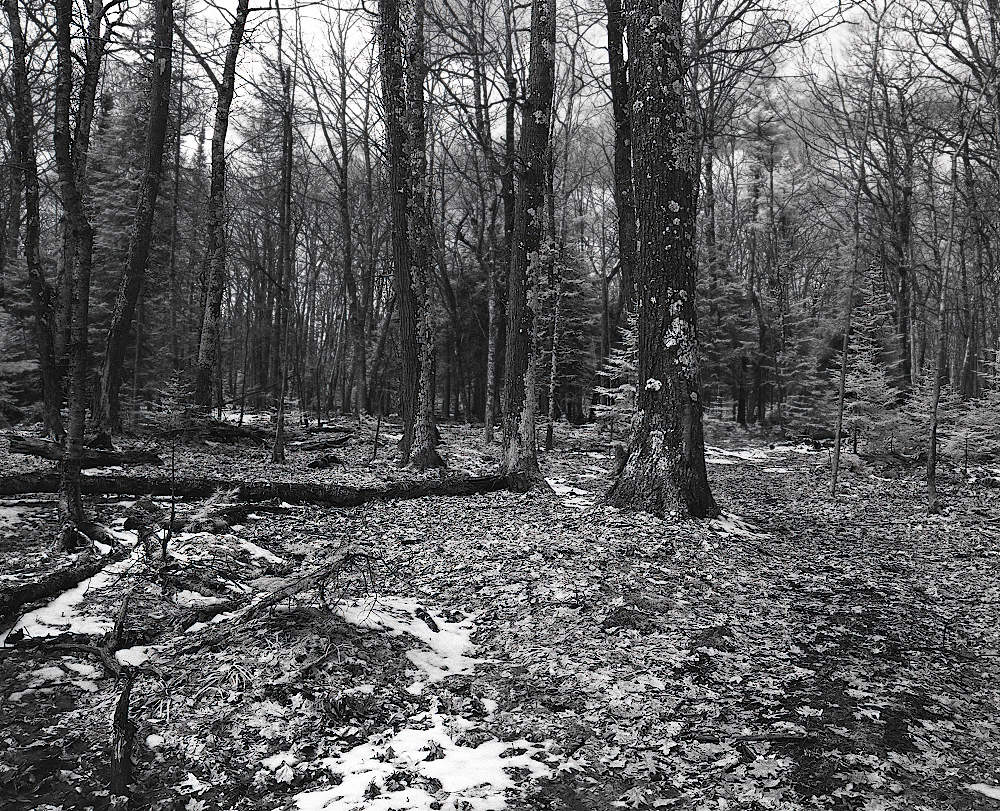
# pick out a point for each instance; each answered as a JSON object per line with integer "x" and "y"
{"x": 656, "y": 481}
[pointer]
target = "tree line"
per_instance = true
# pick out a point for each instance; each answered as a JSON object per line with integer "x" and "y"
{"x": 509, "y": 214}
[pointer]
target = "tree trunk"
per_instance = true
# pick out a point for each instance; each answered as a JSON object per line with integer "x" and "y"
{"x": 423, "y": 454}
{"x": 519, "y": 396}
{"x": 41, "y": 293}
{"x": 71, "y": 504}
{"x": 400, "y": 197}
{"x": 142, "y": 226}
{"x": 285, "y": 263}
{"x": 624, "y": 193}
{"x": 216, "y": 214}
{"x": 665, "y": 469}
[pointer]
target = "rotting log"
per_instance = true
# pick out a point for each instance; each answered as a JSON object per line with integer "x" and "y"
{"x": 322, "y": 444}
{"x": 92, "y": 457}
{"x": 206, "y": 428}
{"x": 13, "y": 598}
{"x": 331, "y": 495}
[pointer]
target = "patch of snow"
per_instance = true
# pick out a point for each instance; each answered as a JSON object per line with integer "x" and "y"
{"x": 445, "y": 652}
{"x": 191, "y": 599}
{"x": 260, "y": 552}
{"x": 777, "y": 470}
{"x": 63, "y": 614}
{"x": 561, "y": 489}
{"x": 475, "y": 778}
{"x": 228, "y": 615}
{"x": 733, "y": 525}
{"x": 134, "y": 656}
{"x": 281, "y": 759}
{"x": 993, "y": 792}
{"x": 154, "y": 741}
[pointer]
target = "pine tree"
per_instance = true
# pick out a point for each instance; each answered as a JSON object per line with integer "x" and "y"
{"x": 870, "y": 397}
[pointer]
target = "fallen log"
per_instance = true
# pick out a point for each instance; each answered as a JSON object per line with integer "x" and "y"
{"x": 214, "y": 430}
{"x": 331, "y": 495}
{"x": 92, "y": 457}
{"x": 323, "y": 444}
{"x": 13, "y": 598}
{"x": 326, "y": 461}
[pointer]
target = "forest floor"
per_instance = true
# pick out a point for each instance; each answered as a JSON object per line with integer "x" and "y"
{"x": 536, "y": 651}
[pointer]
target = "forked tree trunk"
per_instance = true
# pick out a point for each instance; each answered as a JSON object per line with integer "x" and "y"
{"x": 41, "y": 293}
{"x": 519, "y": 396}
{"x": 142, "y": 226}
{"x": 71, "y": 503}
{"x": 664, "y": 472}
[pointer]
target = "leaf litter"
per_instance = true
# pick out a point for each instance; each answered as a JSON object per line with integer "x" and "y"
{"x": 795, "y": 653}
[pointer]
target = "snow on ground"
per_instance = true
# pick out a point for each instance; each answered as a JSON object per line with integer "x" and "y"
{"x": 471, "y": 778}
{"x": 445, "y": 651}
{"x": 67, "y": 612}
{"x": 47, "y": 679}
{"x": 260, "y": 552}
{"x": 721, "y": 456}
{"x": 733, "y": 526}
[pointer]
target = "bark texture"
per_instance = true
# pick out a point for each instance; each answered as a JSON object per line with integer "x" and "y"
{"x": 209, "y": 344}
{"x": 41, "y": 293}
{"x": 665, "y": 469}
{"x": 519, "y": 396}
{"x": 394, "y": 104}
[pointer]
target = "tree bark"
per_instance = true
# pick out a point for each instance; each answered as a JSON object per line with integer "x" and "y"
{"x": 216, "y": 254}
{"x": 665, "y": 469}
{"x": 71, "y": 504}
{"x": 400, "y": 195}
{"x": 292, "y": 492}
{"x": 90, "y": 457}
{"x": 423, "y": 454}
{"x": 624, "y": 193}
{"x": 41, "y": 292}
{"x": 142, "y": 225}
{"x": 520, "y": 400}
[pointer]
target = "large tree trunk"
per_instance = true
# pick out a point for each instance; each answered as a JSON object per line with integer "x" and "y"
{"x": 665, "y": 469}
{"x": 423, "y": 454}
{"x": 41, "y": 293}
{"x": 519, "y": 397}
{"x": 83, "y": 235}
{"x": 400, "y": 196}
{"x": 208, "y": 346}
{"x": 142, "y": 226}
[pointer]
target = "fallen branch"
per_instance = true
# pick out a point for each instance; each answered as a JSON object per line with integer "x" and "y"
{"x": 14, "y": 598}
{"x": 332, "y": 495}
{"x": 316, "y": 580}
{"x": 323, "y": 444}
{"x": 122, "y": 738}
{"x": 92, "y": 457}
